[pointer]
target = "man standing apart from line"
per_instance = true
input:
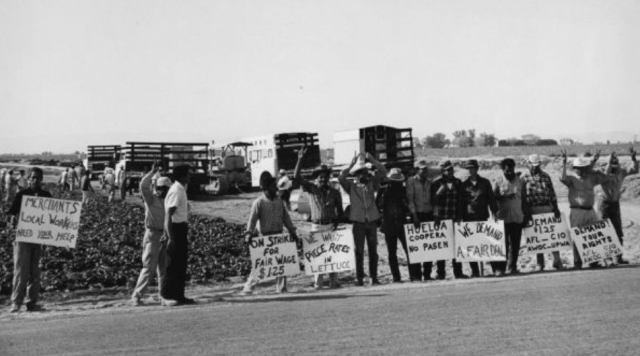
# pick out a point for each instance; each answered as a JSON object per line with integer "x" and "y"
{"x": 478, "y": 201}
{"x": 447, "y": 201}
{"x": 10, "y": 186}
{"x": 153, "y": 253}
{"x": 541, "y": 199}
{"x": 511, "y": 196}
{"x": 270, "y": 211}
{"x": 326, "y": 207}
{"x": 26, "y": 256}
{"x": 364, "y": 212}
{"x": 73, "y": 177}
{"x": 581, "y": 196}
{"x": 110, "y": 183}
{"x": 419, "y": 201}
{"x": 176, "y": 229}
{"x": 609, "y": 196}
{"x": 22, "y": 181}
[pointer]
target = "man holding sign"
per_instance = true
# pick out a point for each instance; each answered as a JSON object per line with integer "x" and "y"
{"x": 272, "y": 214}
{"x": 541, "y": 198}
{"x": 26, "y": 256}
{"x": 326, "y": 207}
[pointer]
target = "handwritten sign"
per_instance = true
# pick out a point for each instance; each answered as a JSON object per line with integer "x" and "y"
{"x": 545, "y": 233}
{"x": 49, "y": 221}
{"x": 430, "y": 241}
{"x": 480, "y": 241}
{"x": 597, "y": 241}
{"x": 328, "y": 252}
{"x": 274, "y": 256}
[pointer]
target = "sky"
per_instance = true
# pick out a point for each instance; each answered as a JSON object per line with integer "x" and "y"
{"x": 75, "y": 73}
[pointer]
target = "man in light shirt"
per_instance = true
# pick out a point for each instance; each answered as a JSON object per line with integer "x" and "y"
{"x": 419, "y": 201}
{"x": 177, "y": 245}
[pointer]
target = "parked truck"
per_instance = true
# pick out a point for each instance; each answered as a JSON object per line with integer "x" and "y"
{"x": 280, "y": 151}
{"x": 138, "y": 157}
{"x": 100, "y": 157}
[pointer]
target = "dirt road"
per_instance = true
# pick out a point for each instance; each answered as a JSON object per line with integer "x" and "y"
{"x": 565, "y": 313}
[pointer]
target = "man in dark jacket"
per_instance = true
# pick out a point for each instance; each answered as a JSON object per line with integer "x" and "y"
{"x": 393, "y": 201}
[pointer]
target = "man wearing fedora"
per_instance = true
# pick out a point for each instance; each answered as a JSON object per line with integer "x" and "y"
{"x": 542, "y": 199}
{"x": 511, "y": 197}
{"x": 326, "y": 207}
{"x": 419, "y": 201}
{"x": 581, "y": 195}
{"x": 363, "y": 211}
{"x": 447, "y": 200}
{"x": 478, "y": 201}
{"x": 393, "y": 201}
{"x": 608, "y": 196}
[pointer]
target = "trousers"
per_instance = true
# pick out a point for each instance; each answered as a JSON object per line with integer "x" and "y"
{"x": 26, "y": 272}
{"x": 173, "y": 283}
{"x": 366, "y": 231}
{"x": 513, "y": 234}
{"x": 579, "y": 217}
{"x": 153, "y": 261}
{"x": 319, "y": 278}
{"x": 544, "y": 209}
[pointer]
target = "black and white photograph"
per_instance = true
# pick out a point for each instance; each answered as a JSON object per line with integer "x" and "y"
{"x": 303, "y": 177}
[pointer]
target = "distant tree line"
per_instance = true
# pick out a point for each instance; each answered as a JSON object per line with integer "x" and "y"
{"x": 469, "y": 138}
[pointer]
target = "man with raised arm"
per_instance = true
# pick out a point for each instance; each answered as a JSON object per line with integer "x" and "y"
{"x": 326, "y": 207}
{"x": 581, "y": 195}
{"x": 364, "y": 212}
{"x": 608, "y": 197}
{"x": 153, "y": 253}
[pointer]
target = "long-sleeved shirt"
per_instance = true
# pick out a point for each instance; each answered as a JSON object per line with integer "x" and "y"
{"x": 611, "y": 190}
{"x": 362, "y": 196}
{"x": 393, "y": 200}
{"x": 325, "y": 202}
{"x": 272, "y": 215}
{"x": 154, "y": 205}
{"x": 448, "y": 204}
{"x": 581, "y": 194}
{"x": 511, "y": 197}
{"x": 478, "y": 199}
{"x": 419, "y": 195}
{"x": 539, "y": 189}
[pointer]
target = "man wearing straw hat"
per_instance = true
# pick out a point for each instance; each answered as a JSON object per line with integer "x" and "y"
{"x": 364, "y": 212}
{"x": 542, "y": 199}
{"x": 326, "y": 207}
{"x": 581, "y": 196}
{"x": 608, "y": 197}
{"x": 478, "y": 201}
{"x": 393, "y": 201}
{"x": 446, "y": 198}
{"x": 419, "y": 201}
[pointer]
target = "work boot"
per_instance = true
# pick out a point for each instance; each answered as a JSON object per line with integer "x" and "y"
{"x": 375, "y": 282}
{"x": 14, "y": 308}
{"x": 168, "y": 302}
{"x": 135, "y": 300}
{"x": 33, "y": 307}
{"x": 622, "y": 261}
{"x": 359, "y": 283}
{"x": 558, "y": 265}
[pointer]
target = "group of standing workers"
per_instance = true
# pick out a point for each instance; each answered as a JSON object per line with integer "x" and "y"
{"x": 386, "y": 198}
{"x": 10, "y": 184}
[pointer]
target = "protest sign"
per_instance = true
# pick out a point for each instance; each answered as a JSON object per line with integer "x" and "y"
{"x": 274, "y": 256}
{"x": 596, "y": 242}
{"x": 545, "y": 233}
{"x": 49, "y": 221}
{"x": 430, "y": 241}
{"x": 329, "y": 251}
{"x": 480, "y": 241}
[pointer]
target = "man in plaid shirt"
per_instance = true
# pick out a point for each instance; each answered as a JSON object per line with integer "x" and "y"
{"x": 447, "y": 200}
{"x": 541, "y": 198}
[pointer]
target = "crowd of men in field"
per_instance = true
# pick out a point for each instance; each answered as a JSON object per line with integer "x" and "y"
{"x": 378, "y": 198}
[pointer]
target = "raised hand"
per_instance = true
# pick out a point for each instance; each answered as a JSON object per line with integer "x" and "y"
{"x": 563, "y": 154}
{"x": 301, "y": 153}
{"x": 596, "y": 156}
